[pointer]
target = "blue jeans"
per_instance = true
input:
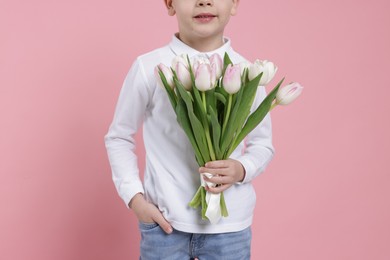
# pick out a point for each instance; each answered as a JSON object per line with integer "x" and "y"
{"x": 157, "y": 245}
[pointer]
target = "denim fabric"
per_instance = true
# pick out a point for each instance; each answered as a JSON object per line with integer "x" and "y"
{"x": 157, "y": 245}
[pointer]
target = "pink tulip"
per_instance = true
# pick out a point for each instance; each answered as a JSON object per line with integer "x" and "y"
{"x": 232, "y": 79}
{"x": 216, "y": 64}
{"x": 288, "y": 94}
{"x": 167, "y": 73}
{"x": 197, "y": 60}
{"x": 183, "y": 75}
{"x": 204, "y": 77}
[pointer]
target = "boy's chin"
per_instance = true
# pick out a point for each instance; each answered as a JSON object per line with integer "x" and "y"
{"x": 206, "y": 32}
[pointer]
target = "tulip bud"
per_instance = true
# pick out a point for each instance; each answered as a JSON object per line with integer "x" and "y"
{"x": 232, "y": 79}
{"x": 197, "y": 60}
{"x": 204, "y": 77}
{"x": 288, "y": 94}
{"x": 167, "y": 73}
{"x": 180, "y": 59}
{"x": 268, "y": 68}
{"x": 183, "y": 75}
{"x": 216, "y": 63}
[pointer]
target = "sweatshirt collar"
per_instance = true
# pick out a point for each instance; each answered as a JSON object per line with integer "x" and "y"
{"x": 178, "y": 47}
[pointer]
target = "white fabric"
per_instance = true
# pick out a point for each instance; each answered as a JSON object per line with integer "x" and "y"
{"x": 213, "y": 212}
{"x": 171, "y": 175}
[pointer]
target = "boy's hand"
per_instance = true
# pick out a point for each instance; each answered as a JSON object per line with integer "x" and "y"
{"x": 148, "y": 213}
{"x": 226, "y": 173}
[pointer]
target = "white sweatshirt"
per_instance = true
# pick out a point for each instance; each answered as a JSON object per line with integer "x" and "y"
{"x": 171, "y": 175}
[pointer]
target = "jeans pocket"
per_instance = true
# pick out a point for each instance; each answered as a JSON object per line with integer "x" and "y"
{"x": 143, "y": 226}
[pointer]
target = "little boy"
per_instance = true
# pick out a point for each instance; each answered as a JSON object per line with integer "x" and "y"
{"x": 169, "y": 228}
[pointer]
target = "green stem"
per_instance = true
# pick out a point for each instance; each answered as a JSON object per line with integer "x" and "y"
{"x": 204, "y": 101}
{"x": 235, "y": 138}
{"x": 212, "y": 154}
{"x": 197, "y": 199}
{"x": 224, "y": 211}
{"x": 227, "y": 113}
{"x": 207, "y": 129}
{"x": 203, "y": 202}
{"x": 273, "y": 105}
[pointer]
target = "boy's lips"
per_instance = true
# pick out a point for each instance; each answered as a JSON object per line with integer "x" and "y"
{"x": 204, "y": 17}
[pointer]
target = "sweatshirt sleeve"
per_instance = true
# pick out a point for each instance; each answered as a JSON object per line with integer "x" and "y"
{"x": 258, "y": 148}
{"x": 120, "y": 139}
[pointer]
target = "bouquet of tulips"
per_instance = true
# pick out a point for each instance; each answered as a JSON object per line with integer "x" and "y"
{"x": 212, "y": 99}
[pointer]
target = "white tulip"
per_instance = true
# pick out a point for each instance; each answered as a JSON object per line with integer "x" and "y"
{"x": 232, "y": 79}
{"x": 267, "y": 67}
{"x": 182, "y": 58}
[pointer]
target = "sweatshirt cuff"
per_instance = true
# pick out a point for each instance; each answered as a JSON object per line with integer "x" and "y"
{"x": 129, "y": 190}
{"x": 249, "y": 168}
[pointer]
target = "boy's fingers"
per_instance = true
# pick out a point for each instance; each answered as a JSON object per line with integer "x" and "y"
{"x": 163, "y": 223}
{"x": 213, "y": 171}
{"x": 218, "y": 179}
{"x": 217, "y": 164}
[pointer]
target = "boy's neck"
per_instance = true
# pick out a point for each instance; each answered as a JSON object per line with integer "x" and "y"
{"x": 203, "y": 44}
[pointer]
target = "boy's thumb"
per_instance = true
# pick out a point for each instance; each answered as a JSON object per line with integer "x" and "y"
{"x": 163, "y": 223}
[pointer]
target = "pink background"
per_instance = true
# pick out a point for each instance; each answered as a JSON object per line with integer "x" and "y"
{"x": 62, "y": 63}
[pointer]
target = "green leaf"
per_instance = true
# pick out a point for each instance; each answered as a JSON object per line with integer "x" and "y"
{"x": 171, "y": 94}
{"x": 257, "y": 116}
{"x": 222, "y": 91}
{"x": 196, "y": 125}
{"x": 191, "y": 72}
{"x": 224, "y": 211}
{"x": 226, "y": 62}
{"x": 228, "y": 134}
{"x": 203, "y": 202}
{"x": 240, "y": 112}
{"x": 197, "y": 199}
{"x": 198, "y": 107}
{"x": 182, "y": 118}
{"x": 216, "y": 131}
{"x": 220, "y": 97}
{"x": 210, "y": 98}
